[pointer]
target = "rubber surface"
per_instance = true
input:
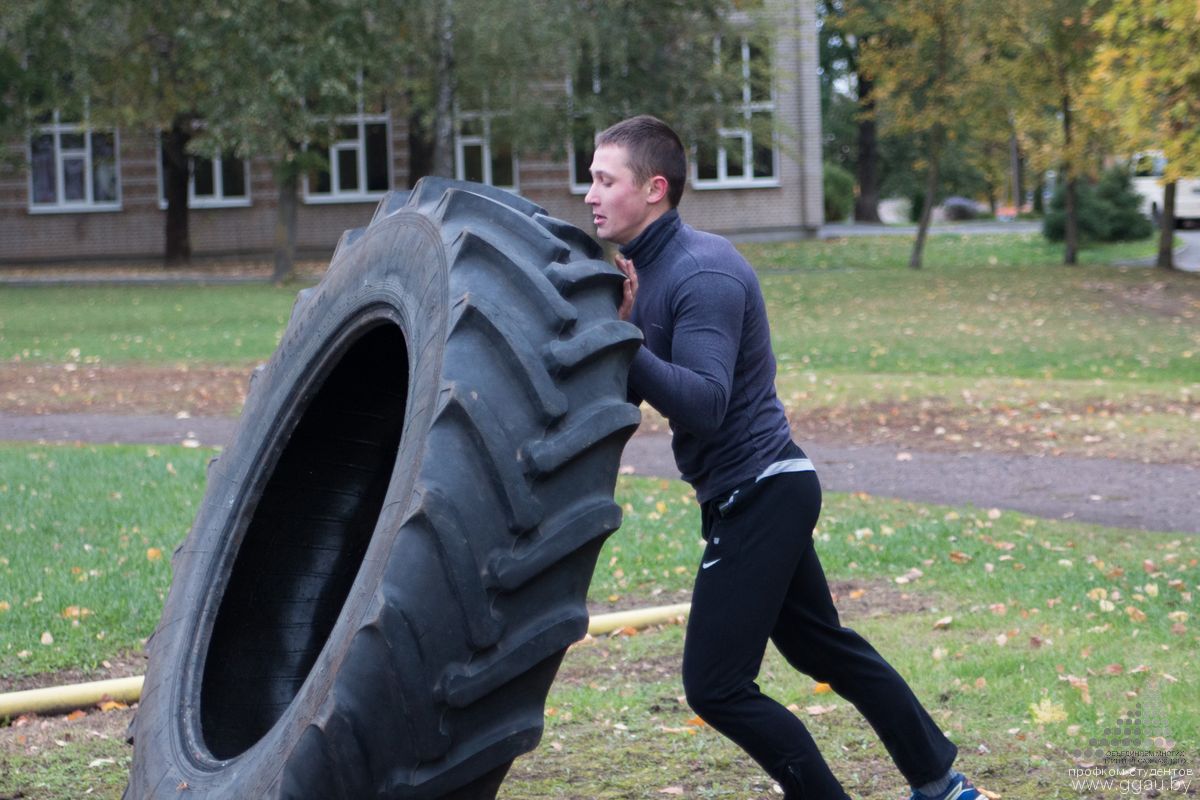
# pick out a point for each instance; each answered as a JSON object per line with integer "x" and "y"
{"x": 393, "y": 554}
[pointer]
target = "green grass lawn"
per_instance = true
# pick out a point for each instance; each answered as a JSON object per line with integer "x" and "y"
{"x": 1024, "y": 636}
{"x": 986, "y": 305}
{"x": 148, "y": 324}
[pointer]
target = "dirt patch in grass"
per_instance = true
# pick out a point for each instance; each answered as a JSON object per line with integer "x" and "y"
{"x": 125, "y": 389}
{"x": 1156, "y": 297}
{"x": 862, "y": 599}
{"x": 85, "y": 749}
{"x": 1152, "y": 431}
{"x": 31, "y": 734}
{"x": 123, "y": 666}
{"x": 37, "y": 737}
{"x": 855, "y": 599}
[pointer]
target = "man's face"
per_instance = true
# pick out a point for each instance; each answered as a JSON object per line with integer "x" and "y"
{"x": 621, "y": 208}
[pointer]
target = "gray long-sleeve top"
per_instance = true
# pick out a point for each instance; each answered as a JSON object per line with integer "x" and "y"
{"x": 706, "y": 363}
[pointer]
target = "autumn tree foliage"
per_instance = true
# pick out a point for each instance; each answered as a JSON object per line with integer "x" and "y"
{"x": 921, "y": 61}
{"x": 1147, "y": 74}
{"x": 1049, "y": 49}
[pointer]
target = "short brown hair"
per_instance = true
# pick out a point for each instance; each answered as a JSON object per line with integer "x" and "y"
{"x": 653, "y": 148}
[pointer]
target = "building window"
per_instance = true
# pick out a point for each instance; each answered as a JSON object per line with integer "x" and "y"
{"x": 743, "y": 152}
{"x": 359, "y": 165}
{"x": 218, "y": 182}
{"x": 73, "y": 167}
{"x": 583, "y": 87}
{"x": 583, "y": 148}
{"x": 482, "y": 153}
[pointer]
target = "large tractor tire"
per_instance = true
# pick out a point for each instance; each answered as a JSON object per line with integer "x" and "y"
{"x": 393, "y": 554}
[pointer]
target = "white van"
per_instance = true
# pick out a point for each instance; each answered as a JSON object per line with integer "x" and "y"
{"x": 1148, "y": 169}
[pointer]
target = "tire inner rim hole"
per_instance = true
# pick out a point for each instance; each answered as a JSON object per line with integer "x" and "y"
{"x": 304, "y": 543}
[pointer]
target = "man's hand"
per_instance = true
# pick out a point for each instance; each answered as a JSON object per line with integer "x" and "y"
{"x": 631, "y": 286}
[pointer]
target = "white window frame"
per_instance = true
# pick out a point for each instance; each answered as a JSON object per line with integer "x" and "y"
{"x": 484, "y": 141}
{"x": 218, "y": 198}
{"x": 361, "y": 195}
{"x": 57, "y": 128}
{"x": 577, "y": 186}
{"x": 746, "y": 110}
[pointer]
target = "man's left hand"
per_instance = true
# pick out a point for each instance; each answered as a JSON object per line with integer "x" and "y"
{"x": 625, "y": 310}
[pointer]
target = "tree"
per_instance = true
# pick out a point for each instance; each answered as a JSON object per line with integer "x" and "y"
{"x": 843, "y": 27}
{"x": 42, "y": 67}
{"x": 1147, "y": 72}
{"x": 921, "y": 65}
{"x": 151, "y": 67}
{"x": 278, "y": 80}
{"x": 617, "y": 58}
{"x": 1050, "y": 48}
{"x": 120, "y": 64}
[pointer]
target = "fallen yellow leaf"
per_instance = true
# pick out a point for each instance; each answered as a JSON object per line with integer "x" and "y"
{"x": 153, "y": 554}
{"x": 822, "y": 688}
{"x": 1046, "y": 711}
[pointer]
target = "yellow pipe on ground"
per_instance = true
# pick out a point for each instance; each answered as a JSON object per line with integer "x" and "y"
{"x": 637, "y": 618}
{"x": 59, "y": 699}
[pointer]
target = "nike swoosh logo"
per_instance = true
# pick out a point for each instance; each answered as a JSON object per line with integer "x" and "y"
{"x": 707, "y": 564}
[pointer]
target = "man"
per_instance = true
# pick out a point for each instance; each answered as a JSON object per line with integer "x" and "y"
{"x": 707, "y": 366}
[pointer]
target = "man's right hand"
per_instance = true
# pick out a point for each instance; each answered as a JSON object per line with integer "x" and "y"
{"x": 625, "y": 310}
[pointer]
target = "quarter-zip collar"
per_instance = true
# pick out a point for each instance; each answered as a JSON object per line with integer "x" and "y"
{"x": 645, "y": 248}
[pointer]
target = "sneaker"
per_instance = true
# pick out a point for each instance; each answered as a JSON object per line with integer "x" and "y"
{"x": 960, "y": 789}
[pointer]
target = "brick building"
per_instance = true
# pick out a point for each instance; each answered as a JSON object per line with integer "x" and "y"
{"x": 90, "y": 194}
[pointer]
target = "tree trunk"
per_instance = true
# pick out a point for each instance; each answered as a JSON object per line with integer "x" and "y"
{"x": 285, "y": 227}
{"x": 931, "y": 187}
{"x": 1071, "y": 251}
{"x": 1014, "y": 170}
{"x": 443, "y": 123}
{"x": 866, "y": 205}
{"x": 175, "y": 186}
{"x": 1166, "y": 236}
{"x": 1071, "y": 237}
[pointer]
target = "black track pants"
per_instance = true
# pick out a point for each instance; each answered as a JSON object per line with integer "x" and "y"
{"x": 760, "y": 578}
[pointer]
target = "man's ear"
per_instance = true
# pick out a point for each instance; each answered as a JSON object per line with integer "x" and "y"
{"x": 657, "y": 189}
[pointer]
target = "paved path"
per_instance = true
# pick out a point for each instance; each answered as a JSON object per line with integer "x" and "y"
{"x": 1129, "y": 494}
{"x": 1125, "y": 494}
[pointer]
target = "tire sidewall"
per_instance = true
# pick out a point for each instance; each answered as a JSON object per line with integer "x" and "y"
{"x": 396, "y": 274}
